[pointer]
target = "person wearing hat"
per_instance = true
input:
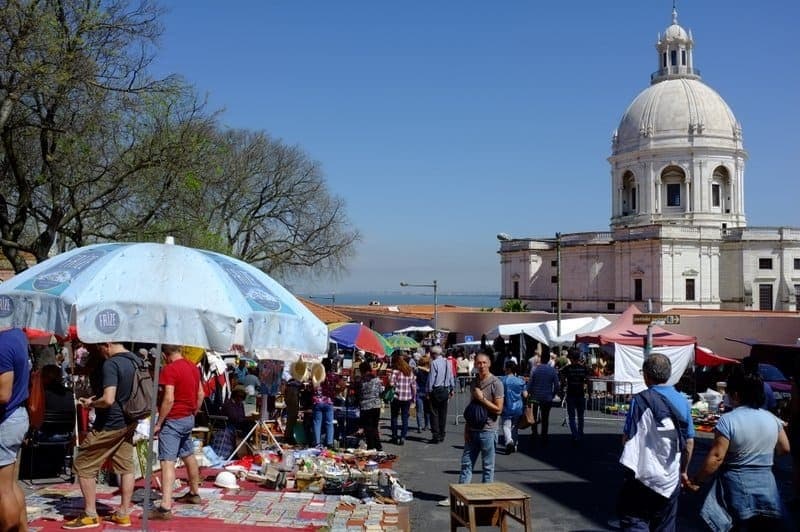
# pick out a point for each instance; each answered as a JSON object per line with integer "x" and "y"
{"x": 298, "y": 375}
{"x": 224, "y": 441}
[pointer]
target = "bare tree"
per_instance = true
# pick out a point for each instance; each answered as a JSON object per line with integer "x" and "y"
{"x": 268, "y": 204}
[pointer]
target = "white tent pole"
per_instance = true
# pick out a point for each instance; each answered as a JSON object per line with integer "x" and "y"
{"x": 149, "y": 467}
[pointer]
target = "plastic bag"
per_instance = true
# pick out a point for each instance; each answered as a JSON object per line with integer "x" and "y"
{"x": 400, "y": 494}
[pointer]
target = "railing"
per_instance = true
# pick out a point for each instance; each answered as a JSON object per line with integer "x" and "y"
{"x": 676, "y": 70}
{"x": 608, "y": 399}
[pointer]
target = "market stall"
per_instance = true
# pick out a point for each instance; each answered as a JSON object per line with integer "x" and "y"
{"x": 626, "y": 343}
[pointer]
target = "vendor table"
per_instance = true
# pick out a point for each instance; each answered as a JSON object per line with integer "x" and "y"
{"x": 473, "y": 505}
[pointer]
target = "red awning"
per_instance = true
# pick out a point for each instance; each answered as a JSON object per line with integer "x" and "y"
{"x": 704, "y": 356}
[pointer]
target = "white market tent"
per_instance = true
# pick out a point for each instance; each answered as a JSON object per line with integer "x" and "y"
{"x": 422, "y": 329}
{"x": 546, "y": 331}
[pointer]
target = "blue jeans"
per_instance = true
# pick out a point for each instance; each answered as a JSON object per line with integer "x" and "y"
{"x": 423, "y": 418}
{"x": 322, "y": 410}
{"x": 483, "y": 442}
{"x": 576, "y": 405}
{"x": 401, "y": 408}
{"x": 12, "y": 434}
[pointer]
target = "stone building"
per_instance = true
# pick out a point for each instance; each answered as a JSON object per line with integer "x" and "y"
{"x": 678, "y": 231}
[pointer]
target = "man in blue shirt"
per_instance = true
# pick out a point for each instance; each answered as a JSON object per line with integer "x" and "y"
{"x": 14, "y": 378}
{"x": 441, "y": 383}
{"x": 542, "y": 388}
{"x": 659, "y": 439}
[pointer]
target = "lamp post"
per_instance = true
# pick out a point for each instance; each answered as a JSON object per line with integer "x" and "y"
{"x": 435, "y": 301}
{"x": 558, "y": 284}
{"x": 505, "y": 237}
{"x": 331, "y": 298}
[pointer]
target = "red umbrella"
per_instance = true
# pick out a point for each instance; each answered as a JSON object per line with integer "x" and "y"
{"x": 357, "y": 336}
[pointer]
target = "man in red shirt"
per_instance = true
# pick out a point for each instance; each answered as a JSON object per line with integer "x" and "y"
{"x": 181, "y": 399}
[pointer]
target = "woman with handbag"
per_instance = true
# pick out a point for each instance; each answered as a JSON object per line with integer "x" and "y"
{"x": 404, "y": 383}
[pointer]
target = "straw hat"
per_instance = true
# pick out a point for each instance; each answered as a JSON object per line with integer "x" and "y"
{"x": 299, "y": 371}
{"x": 317, "y": 373}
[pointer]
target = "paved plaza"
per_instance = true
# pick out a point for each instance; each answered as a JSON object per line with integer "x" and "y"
{"x": 572, "y": 487}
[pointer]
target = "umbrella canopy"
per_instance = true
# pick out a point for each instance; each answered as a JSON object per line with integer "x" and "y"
{"x": 160, "y": 293}
{"x": 357, "y": 336}
{"x": 401, "y": 341}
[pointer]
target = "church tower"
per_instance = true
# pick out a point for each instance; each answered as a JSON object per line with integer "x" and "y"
{"x": 677, "y": 156}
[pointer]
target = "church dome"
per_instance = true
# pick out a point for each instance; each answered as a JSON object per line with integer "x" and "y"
{"x": 672, "y": 112}
{"x": 676, "y": 33}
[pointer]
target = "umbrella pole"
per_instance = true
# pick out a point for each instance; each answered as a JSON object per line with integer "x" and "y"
{"x": 148, "y": 475}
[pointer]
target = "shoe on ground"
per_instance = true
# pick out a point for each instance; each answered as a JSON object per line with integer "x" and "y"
{"x": 189, "y": 498}
{"x": 434, "y": 440}
{"x": 401, "y": 441}
{"x": 120, "y": 520}
{"x": 444, "y": 502}
{"x": 510, "y": 448}
{"x": 82, "y": 521}
{"x": 160, "y": 514}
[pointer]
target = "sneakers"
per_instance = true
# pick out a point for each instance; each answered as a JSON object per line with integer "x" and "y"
{"x": 120, "y": 520}
{"x": 83, "y": 521}
{"x": 189, "y": 498}
{"x": 444, "y": 502}
{"x": 160, "y": 514}
{"x": 510, "y": 447}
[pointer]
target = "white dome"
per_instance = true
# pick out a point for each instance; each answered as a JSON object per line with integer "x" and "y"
{"x": 676, "y": 33}
{"x": 675, "y": 111}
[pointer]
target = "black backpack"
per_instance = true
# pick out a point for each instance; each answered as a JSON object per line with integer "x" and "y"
{"x": 140, "y": 400}
{"x": 475, "y": 414}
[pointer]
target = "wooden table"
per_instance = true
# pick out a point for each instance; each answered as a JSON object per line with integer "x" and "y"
{"x": 473, "y": 505}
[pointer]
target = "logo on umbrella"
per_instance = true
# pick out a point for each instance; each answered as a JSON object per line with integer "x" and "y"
{"x": 6, "y": 306}
{"x": 107, "y": 321}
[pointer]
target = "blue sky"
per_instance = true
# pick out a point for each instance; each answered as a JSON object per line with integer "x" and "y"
{"x": 444, "y": 123}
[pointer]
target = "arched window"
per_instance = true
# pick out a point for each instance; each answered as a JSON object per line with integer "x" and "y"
{"x": 720, "y": 189}
{"x": 629, "y": 203}
{"x": 672, "y": 180}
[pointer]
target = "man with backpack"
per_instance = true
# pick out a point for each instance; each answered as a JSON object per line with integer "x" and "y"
{"x": 111, "y": 437}
{"x": 659, "y": 439}
{"x": 181, "y": 399}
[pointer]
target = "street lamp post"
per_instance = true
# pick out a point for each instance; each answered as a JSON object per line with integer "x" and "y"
{"x": 435, "y": 301}
{"x": 331, "y": 298}
{"x": 505, "y": 237}
{"x": 558, "y": 284}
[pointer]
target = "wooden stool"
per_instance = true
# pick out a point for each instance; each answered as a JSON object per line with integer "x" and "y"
{"x": 474, "y": 505}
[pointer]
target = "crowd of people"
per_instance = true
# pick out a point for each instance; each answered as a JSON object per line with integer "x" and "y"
{"x": 316, "y": 400}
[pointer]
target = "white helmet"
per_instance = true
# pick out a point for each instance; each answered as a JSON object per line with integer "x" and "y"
{"x": 226, "y": 479}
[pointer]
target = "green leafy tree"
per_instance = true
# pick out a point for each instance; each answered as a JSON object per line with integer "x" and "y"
{"x": 514, "y": 305}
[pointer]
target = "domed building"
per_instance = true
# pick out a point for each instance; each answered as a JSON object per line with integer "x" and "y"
{"x": 678, "y": 232}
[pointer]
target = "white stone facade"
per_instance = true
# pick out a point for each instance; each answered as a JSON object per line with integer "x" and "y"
{"x": 679, "y": 236}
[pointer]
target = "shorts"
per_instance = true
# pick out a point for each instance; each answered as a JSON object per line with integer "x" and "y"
{"x": 12, "y": 434}
{"x": 175, "y": 439}
{"x": 99, "y": 446}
